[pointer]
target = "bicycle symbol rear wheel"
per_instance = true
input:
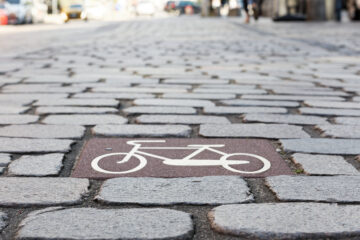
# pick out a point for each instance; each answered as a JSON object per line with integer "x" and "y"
{"x": 265, "y": 163}
{"x": 95, "y": 163}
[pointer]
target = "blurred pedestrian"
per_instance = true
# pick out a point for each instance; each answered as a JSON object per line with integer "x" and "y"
{"x": 251, "y": 8}
{"x": 338, "y": 9}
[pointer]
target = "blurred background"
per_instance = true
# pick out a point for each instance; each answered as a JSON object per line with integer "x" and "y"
{"x": 16, "y": 12}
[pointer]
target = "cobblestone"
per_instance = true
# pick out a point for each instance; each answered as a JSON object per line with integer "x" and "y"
{"x": 25, "y": 145}
{"x": 142, "y": 130}
{"x": 5, "y": 159}
{"x": 39, "y": 166}
{"x": 291, "y": 119}
{"x": 55, "y": 110}
{"x": 18, "y": 119}
{"x": 325, "y": 146}
{"x": 241, "y": 102}
{"x": 348, "y": 120}
{"x": 329, "y": 112}
{"x": 27, "y": 192}
{"x": 3, "y": 220}
{"x": 160, "y": 110}
{"x": 324, "y": 164}
{"x": 340, "y": 131}
{"x": 84, "y": 119}
{"x": 240, "y": 110}
{"x": 253, "y": 130}
{"x": 91, "y": 223}
{"x": 182, "y": 119}
{"x": 341, "y": 189}
{"x": 78, "y": 102}
{"x": 42, "y": 131}
{"x": 162, "y": 191}
{"x": 342, "y": 105}
{"x": 174, "y": 102}
{"x": 286, "y": 220}
{"x": 199, "y": 96}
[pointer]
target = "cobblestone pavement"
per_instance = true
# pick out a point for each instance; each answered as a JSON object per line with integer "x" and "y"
{"x": 294, "y": 84}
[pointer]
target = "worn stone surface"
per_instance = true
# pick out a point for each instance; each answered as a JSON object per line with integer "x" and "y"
{"x": 282, "y": 118}
{"x": 326, "y": 146}
{"x": 161, "y": 110}
{"x": 182, "y": 119}
{"x": 17, "y": 191}
{"x": 348, "y": 120}
{"x": 240, "y": 110}
{"x": 43, "y": 131}
{"x": 340, "y": 131}
{"x": 25, "y": 145}
{"x": 174, "y": 102}
{"x": 291, "y": 97}
{"x": 164, "y": 191}
{"x": 5, "y": 159}
{"x": 324, "y": 164}
{"x": 92, "y": 223}
{"x": 78, "y": 102}
{"x": 316, "y": 188}
{"x": 85, "y": 119}
{"x": 199, "y": 96}
{"x": 242, "y": 102}
{"x": 12, "y": 109}
{"x": 329, "y": 111}
{"x": 3, "y": 220}
{"x": 55, "y": 110}
{"x": 40, "y": 165}
{"x": 253, "y": 130}
{"x": 325, "y": 104}
{"x": 142, "y": 130}
{"x": 18, "y": 119}
{"x": 287, "y": 220}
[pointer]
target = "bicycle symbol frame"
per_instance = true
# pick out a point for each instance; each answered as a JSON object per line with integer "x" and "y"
{"x": 187, "y": 161}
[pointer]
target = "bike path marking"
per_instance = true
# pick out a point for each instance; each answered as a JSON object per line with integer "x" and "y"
{"x": 103, "y": 158}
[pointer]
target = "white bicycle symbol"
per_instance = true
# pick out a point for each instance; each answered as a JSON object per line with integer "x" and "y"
{"x": 186, "y": 161}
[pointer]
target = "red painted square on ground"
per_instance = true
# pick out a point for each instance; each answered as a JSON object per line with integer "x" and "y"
{"x": 122, "y": 157}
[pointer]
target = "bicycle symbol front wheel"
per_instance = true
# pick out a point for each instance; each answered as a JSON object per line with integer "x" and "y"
{"x": 95, "y": 163}
{"x": 265, "y": 164}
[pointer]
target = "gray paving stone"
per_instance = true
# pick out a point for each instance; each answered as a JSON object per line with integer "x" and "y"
{"x": 142, "y": 130}
{"x": 281, "y": 118}
{"x": 311, "y": 93}
{"x": 25, "y": 145}
{"x": 341, "y": 189}
{"x": 5, "y": 159}
{"x": 229, "y": 90}
{"x": 197, "y": 119}
{"x": 329, "y": 111}
{"x": 324, "y": 164}
{"x": 37, "y": 166}
{"x": 41, "y": 88}
{"x": 287, "y": 220}
{"x": 139, "y": 90}
{"x": 78, "y": 102}
{"x": 42, "y": 131}
{"x": 253, "y": 130}
{"x": 84, "y": 119}
{"x": 174, "y": 102}
{"x": 3, "y": 220}
{"x": 199, "y": 96}
{"x": 18, "y": 191}
{"x": 356, "y": 99}
{"x": 159, "y": 110}
{"x": 2, "y": 170}
{"x": 325, "y": 146}
{"x": 167, "y": 191}
{"x": 12, "y": 109}
{"x": 18, "y": 119}
{"x": 91, "y": 223}
{"x": 241, "y": 110}
{"x": 340, "y": 131}
{"x": 114, "y": 95}
{"x": 64, "y": 110}
{"x": 348, "y": 120}
{"x": 291, "y": 97}
{"x": 195, "y": 81}
{"x": 242, "y": 102}
{"x": 325, "y": 104}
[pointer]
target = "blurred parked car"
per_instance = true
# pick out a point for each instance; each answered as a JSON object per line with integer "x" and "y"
{"x": 25, "y": 11}
{"x": 71, "y": 11}
{"x": 187, "y": 7}
{"x": 170, "y": 6}
{"x": 145, "y": 7}
{"x": 3, "y": 15}
{"x": 93, "y": 10}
